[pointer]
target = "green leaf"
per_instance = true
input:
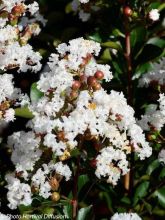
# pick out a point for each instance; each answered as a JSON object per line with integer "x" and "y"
{"x": 68, "y": 8}
{"x": 117, "y": 33}
{"x": 117, "y": 67}
{"x": 25, "y": 209}
{"x": 158, "y": 211}
{"x": 67, "y": 209}
{"x": 82, "y": 180}
{"x": 113, "y": 45}
{"x": 106, "y": 196}
{"x": 148, "y": 206}
{"x": 96, "y": 37}
{"x": 24, "y": 112}
{"x": 35, "y": 94}
{"x": 106, "y": 56}
{"x": 140, "y": 191}
{"x": 157, "y": 42}
{"x": 153, "y": 5}
{"x": 138, "y": 35}
{"x": 143, "y": 68}
{"x": 162, "y": 173}
{"x": 84, "y": 213}
{"x": 155, "y": 164}
{"x": 125, "y": 200}
{"x": 160, "y": 194}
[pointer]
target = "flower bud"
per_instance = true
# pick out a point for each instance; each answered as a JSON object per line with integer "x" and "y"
{"x": 54, "y": 184}
{"x": 76, "y": 85}
{"x": 55, "y": 196}
{"x": 99, "y": 75}
{"x": 91, "y": 81}
{"x": 127, "y": 11}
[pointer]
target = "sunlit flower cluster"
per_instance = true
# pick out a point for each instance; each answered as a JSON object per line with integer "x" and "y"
{"x": 156, "y": 76}
{"x": 154, "y": 116}
{"x": 84, "y": 8}
{"x": 125, "y": 216}
{"x": 9, "y": 97}
{"x": 18, "y": 23}
{"x": 73, "y": 108}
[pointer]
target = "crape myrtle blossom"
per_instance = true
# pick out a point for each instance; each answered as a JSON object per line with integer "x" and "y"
{"x": 4, "y": 217}
{"x": 161, "y": 156}
{"x": 154, "y": 117}
{"x": 79, "y": 6}
{"x": 10, "y": 97}
{"x": 157, "y": 75}
{"x": 154, "y": 14}
{"x": 73, "y": 108}
{"x": 125, "y": 216}
{"x": 83, "y": 1}
{"x": 15, "y": 32}
{"x": 18, "y": 193}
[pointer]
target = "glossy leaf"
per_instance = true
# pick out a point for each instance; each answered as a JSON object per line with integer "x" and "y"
{"x": 140, "y": 191}
{"x": 23, "y": 112}
{"x": 82, "y": 180}
{"x": 84, "y": 213}
{"x": 160, "y": 194}
{"x": 155, "y": 164}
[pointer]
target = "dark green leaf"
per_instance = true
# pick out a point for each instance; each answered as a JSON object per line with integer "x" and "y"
{"x": 157, "y": 42}
{"x": 143, "y": 68}
{"x": 126, "y": 200}
{"x": 140, "y": 191}
{"x": 155, "y": 164}
{"x": 138, "y": 35}
{"x": 84, "y": 213}
{"x": 160, "y": 194}
{"x": 162, "y": 173}
{"x": 82, "y": 180}
{"x": 96, "y": 37}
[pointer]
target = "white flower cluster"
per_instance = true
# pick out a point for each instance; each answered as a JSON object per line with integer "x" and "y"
{"x": 25, "y": 151}
{"x": 125, "y": 216}
{"x": 4, "y": 217}
{"x": 74, "y": 106}
{"x": 9, "y": 97}
{"x": 154, "y": 14}
{"x": 161, "y": 156}
{"x": 84, "y": 13}
{"x": 155, "y": 76}
{"x": 19, "y": 193}
{"x": 83, "y": 1}
{"x": 41, "y": 181}
{"x": 154, "y": 117}
{"x": 15, "y": 52}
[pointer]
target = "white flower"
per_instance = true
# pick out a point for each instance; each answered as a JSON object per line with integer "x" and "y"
{"x": 20, "y": 56}
{"x": 84, "y": 16}
{"x": 6, "y": 87}
{"x": 33, "y": 8}
{"x": 161, "y": 156}
{"x": 125, "y": 216}
{"x": 83, "y": 1}
{"x": 63, "y": 170}
{"x": 9, "y": 115}
{"x": 154, "y": 14}
{"x": 4, "y": 217}
{"x": 111, "y": 164}
{"x": 18, "y": 193}
{"x": 25, "y": 149}
{"x": 156, "y": 75}
{"x": 154, "y": 116}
